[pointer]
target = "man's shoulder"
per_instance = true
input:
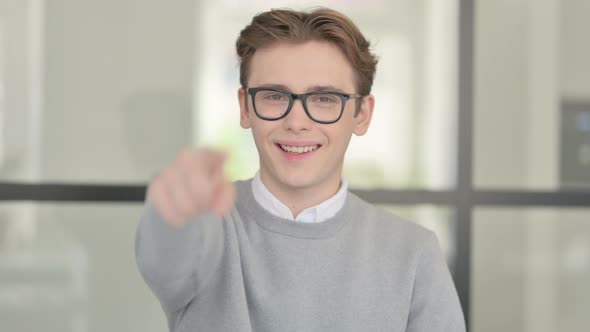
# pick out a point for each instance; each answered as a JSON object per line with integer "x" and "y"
{"x": 387, "y": 224}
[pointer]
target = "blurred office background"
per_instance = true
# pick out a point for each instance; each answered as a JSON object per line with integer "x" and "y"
{"x": 481, "y": 133}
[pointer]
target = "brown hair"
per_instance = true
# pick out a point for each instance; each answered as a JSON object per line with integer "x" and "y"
{"x": 285, "y": 25}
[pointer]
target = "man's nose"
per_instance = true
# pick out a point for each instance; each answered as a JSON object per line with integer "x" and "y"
{"x": 297, "y": 119}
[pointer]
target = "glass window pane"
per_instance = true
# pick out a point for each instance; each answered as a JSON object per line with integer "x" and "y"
{"x": 93, "y": 90}
{"x": 72, "y": 267}
{"x": 530, "y": 269}
{"x": 19, "y": 89}
{"x": 532, "y": 95}
{"x": 112, "y": 90}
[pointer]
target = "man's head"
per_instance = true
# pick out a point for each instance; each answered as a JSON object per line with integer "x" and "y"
{"x": 295, "y": 27}
{"x": 321, "y": 54}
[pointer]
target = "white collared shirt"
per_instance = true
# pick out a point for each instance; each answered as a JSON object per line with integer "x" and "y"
{"x": 318, "y": 213}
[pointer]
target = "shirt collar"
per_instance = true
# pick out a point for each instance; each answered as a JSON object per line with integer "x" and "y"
{"x": 317, "y": 213}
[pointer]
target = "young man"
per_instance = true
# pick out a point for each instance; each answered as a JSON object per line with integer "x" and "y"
{"x": 291, "y": 249}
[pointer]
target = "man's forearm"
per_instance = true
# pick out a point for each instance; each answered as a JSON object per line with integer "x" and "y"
{"x": 176, "y": 261}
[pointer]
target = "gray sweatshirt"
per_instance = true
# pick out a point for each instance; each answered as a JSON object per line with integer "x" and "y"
{"x": 361, "y": 270}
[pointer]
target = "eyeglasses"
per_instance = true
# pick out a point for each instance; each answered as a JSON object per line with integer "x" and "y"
{"x": 323, "y": 107}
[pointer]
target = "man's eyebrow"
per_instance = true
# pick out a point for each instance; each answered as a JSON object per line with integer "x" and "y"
{"x": 324, "y": 88}
{"x": 275, "y": 86}
{"x": 310, "y": 89}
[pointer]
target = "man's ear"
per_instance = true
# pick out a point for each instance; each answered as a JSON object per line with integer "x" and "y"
{"x": 363, "y": 119}
{"x": 244, "y": 114}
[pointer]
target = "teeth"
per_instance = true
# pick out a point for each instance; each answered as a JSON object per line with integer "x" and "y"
{"x": 298, "y": 149}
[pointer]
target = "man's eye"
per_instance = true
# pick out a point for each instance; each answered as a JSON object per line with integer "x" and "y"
{"x": 275, "y": 97}
{"x": 326, "y": 99}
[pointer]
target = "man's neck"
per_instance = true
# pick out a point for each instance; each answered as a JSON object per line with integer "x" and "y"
{"x": 298, "y": 199}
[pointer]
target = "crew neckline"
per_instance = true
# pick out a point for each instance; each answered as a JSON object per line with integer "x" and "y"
{"x": 254, "y": 211}
{"x": 317, "y": 213}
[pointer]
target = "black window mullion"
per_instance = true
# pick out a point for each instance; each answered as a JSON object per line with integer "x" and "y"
{"x": 464, "y": 203}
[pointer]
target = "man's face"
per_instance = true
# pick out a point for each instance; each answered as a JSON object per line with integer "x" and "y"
{"x": 309, "y": 67}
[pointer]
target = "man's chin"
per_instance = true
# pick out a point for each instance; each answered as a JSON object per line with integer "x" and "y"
{"x": 297, "y": 182}
{"x": 294, "y": 179}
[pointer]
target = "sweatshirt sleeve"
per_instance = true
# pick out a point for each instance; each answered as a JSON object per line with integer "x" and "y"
{"x": 435, "y": 304}
{"x": 176, "y": 262}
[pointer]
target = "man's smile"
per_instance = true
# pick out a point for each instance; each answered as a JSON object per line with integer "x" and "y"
{"x": 296, "y": 151}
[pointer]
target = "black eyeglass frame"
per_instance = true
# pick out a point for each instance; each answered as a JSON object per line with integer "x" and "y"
{"x": 303, "y": 97}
